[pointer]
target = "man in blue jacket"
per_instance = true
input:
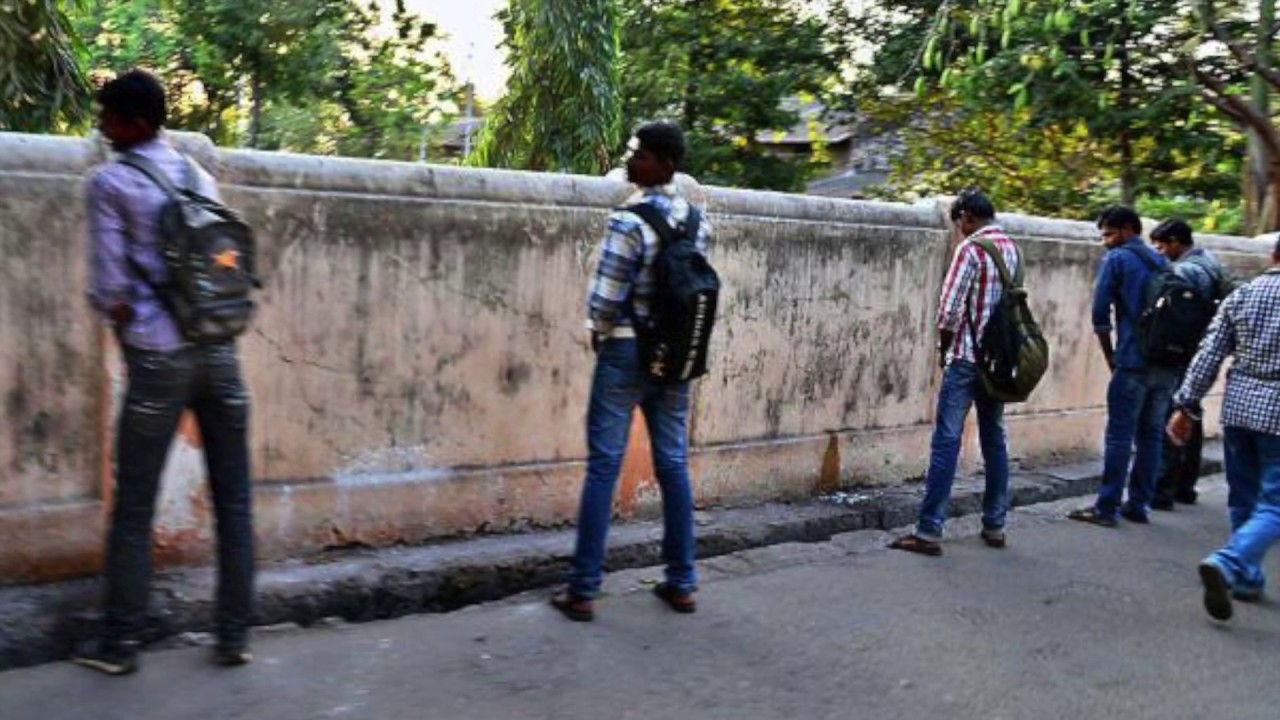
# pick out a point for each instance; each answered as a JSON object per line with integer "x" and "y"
{"x": 1180, "y": 468}
{"x": 1139, "y": 394}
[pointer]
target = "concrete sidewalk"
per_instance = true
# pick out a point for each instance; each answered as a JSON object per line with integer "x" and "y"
{"x": 1071, "y": 621}
{"x": 40, "y": 623}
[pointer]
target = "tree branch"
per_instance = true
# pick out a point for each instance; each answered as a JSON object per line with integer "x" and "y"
{"x": 1238, "y": 50}
{"x": 1215, "y": 91}
{"x": 1246, "y": 58}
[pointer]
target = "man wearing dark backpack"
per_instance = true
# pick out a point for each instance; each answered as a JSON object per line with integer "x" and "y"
{"x": 131, "y": 284}
{"x": 1198, "y": 268}
{"x": 970, "y": 294}
{"x": 1139, "y": 393}
{"x": 629, "y": 373}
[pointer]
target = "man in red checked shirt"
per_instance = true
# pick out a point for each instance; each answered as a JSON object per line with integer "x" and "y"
{"x": 969, "y": 295}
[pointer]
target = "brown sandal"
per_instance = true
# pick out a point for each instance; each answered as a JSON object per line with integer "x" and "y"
{"x": 676, "y": 600}
{"x": 918, "y": 545}
{"x": 574, "y": 607}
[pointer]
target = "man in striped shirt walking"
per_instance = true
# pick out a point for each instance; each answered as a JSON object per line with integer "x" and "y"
{"x": 969, "y": 295}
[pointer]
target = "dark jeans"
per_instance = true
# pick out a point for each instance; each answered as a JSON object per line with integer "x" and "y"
{"x": 1137, "y": 405}
{"x": 1180, "y": 466}
{"x": 207, "y": 380}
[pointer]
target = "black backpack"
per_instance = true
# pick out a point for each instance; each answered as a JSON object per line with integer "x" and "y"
{"x": 210, "y": 254}
{"x": 1012, "y": 355}
{"x": 1174, "y": 317}
{"x": 674, "y": 338}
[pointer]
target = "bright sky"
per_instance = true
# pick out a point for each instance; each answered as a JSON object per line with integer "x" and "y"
{"x": 472, "y": 42}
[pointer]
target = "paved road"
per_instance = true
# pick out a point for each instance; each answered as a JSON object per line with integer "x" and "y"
{"x": 1070, "y": 621}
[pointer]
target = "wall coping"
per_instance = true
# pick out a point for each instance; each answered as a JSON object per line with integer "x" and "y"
{"x": 74, "y": 156}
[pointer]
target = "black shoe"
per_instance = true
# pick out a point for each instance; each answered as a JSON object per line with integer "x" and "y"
{"x": 1217, "y": 591}
{"x": 1165, "y": 504}
{"x": 1187, "y": 497}
{"x": 107, "y": 656}
{"x": 232, "y": 654}
{"x": 1134, "y": 515}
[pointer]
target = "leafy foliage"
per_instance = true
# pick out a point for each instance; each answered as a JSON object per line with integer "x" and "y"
{"x": 561, "y": 111}
{"x": 320, "y": 76}
{"x": 723, "y": 71}
{"x": 41, "y": 86}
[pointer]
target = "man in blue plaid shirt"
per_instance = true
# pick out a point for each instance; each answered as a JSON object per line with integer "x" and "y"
{"x": 621, "y": 292}
{"x": 1247, "y": 326}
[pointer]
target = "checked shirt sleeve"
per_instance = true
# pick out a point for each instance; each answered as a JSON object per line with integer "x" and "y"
{"x": 1218, "y": 343}
{"x": 621, "y": 257}
{"x": 955, "y": 291}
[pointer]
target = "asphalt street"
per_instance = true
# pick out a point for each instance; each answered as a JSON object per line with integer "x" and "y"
{"x": 1070, "y": 621}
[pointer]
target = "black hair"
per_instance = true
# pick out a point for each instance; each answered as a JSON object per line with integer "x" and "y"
{"x": 1276, "y": 252}
{"x": 135, "y": 95}
{"x": 1120, "y": 217}
{"x": 1173, "y": 230}
{"x": 664, "y": 139}
{"x": 973, "y": 202}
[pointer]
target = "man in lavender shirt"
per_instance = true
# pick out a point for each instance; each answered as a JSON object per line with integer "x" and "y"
{"x": 167, "y": 376}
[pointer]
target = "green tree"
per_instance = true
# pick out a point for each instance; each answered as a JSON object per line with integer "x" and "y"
{"x": 336, "y": 78}
{"x": 42, "y": 88}
{"x": 268, "y": 49}
{"x": 123, "y": 34}
{"x": 389, "y": 93}
{"x": 1194, "y": 57}
{"x": 561, "y": 111}
{"x": 726, "y": 72}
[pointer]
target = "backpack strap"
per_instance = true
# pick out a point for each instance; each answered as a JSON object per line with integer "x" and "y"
{"x": 997, "y": 257}
{"x": 654, "y": 218}
{"x": 1151, "y": 264}
{"x": 154, "y": 173}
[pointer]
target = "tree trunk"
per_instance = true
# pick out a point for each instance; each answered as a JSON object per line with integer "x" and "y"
{"x": 1260, "y": 172}
{"x": 1128, "y": 173}
{"x": 255, "y": 115}
{"x": 1269, "y": 213}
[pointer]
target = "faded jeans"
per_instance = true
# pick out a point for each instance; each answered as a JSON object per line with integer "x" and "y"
{"x": 961, "y": 389}
{"x": 162, "y": 385}
{"x": 617, "y": 388}
{"x": 1253, "y": 485}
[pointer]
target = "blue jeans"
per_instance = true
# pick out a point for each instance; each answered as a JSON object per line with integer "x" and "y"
{"x": 1253, "y": 481}
{"x": 617, "y": 388}
{"x": 961, "y": 389}
{"x": 1137, "y": 405}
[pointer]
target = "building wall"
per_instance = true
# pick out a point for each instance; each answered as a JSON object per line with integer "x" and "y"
{"x": 419, "y": 368}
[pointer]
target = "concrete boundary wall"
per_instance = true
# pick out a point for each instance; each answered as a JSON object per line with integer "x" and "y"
{"x": 419, "y": 368}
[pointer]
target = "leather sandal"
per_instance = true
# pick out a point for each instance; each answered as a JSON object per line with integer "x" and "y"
{"x": 574, "y": 607}
{"x": 1092, "y": 516}
{"x": 918, "y": 545}
{"x": 676, "y": 600}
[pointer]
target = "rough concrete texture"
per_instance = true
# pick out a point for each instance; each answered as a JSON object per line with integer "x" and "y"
{"x": 39, "y": 623}
{"x": 1070, "y": 621}
{"x": 419, "y": 369}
